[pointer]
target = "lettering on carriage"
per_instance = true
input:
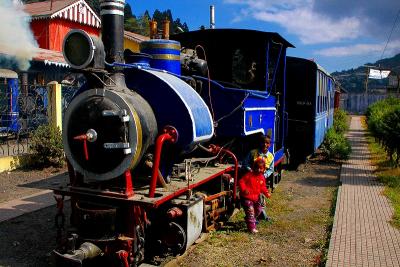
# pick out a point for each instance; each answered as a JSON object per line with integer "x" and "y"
{"x": 303, "y": 103}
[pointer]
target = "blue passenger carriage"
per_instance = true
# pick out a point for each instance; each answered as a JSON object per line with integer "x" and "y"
{"x": 310, "y": 99}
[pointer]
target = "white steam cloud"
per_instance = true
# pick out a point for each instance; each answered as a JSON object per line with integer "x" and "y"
{"x": 16, "y": 40}
{"x": 361, "y": 49}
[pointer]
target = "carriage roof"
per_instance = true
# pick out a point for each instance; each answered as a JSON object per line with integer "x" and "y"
{"x": 309, "y": 62}
{"x": 229, "y": 36}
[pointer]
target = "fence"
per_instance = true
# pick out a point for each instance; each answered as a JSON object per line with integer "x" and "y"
{"x": 358, "y": 103}
{"x": 22, "y": 113}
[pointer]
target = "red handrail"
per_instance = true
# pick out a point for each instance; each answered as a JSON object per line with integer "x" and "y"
{"x": 170, "y": 134}
{"x": 216, "y": 149}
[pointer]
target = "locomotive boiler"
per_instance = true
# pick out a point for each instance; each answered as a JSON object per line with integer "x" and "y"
{"x": 149, "y": 137}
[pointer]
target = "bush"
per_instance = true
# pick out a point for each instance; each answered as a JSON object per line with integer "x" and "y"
{"x": 335, "y": 145}
{"x": 383, "y": 119}
{"x": 376, "y": 112}
{"x": 46, "y": 147}
{"x": 391, "y": 133}
{"x": 340, "y": 121}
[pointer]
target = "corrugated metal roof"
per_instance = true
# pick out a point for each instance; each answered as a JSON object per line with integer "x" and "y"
{"x": 73, "y": 10}
{"x": 47, "y": 8}
{"x": 135, "y": 37}
{"x": 49, "y": 57}
{"x": 4, "y": 73}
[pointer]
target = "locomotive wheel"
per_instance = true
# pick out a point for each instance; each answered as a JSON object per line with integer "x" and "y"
{"x": 174, "y": 239}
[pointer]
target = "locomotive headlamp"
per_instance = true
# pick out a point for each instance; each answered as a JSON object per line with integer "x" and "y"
{"x": 82, "y": 50}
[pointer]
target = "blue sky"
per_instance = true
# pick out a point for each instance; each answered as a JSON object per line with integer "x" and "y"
{"x": 338, "y": 34}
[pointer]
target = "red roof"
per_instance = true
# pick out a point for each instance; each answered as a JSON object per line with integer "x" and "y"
{"x": 50, "y": 57}
{"x": 74, "y": 10}
{"x": 47, "y": 8}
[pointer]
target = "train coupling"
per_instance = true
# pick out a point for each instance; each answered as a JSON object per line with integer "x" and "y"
{"x": 86, "y": 251}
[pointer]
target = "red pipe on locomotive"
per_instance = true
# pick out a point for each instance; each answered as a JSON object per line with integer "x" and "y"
{"x": 170, "y": 135}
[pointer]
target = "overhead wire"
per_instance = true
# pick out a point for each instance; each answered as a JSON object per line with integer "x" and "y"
{"x": 391, "y": 32}
{"x": 209, "y": 80}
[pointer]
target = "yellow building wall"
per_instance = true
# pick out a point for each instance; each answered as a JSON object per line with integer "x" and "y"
{"x": 132, "y": 45}
{"x": 11, "y": 162}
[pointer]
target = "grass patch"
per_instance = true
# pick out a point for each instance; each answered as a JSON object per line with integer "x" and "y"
{"x": 325, "y": 245}
{"x": 388, "y": 174}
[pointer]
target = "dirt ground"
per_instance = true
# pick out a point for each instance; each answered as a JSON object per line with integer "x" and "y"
{"x": 28, "y": 239}
{"x": 20, "y": 183}
{"x": 297, "y": 236}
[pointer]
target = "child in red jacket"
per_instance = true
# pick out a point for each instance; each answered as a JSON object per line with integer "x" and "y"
{"x": 251, "y": 185}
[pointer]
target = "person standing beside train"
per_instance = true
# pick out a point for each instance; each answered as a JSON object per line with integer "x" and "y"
{"x": 252, "y": 186}
{"x": 268, "y": 158}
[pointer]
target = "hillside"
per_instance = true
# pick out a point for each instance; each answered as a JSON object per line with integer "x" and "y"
{"x": 353, "y": 80}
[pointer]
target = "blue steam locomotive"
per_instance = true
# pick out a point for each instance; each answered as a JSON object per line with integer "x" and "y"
{"x": 154, "y": 140}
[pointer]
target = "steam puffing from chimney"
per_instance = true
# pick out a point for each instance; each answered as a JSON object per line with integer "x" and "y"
{"x": 17, "y": 44}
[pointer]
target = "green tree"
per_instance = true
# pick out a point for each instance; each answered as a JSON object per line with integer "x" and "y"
{"x": 143, "y": 25}
{"x": 132, "y": 25}
{"x": 95, "y": 5}
{"x": 128, "y": 13}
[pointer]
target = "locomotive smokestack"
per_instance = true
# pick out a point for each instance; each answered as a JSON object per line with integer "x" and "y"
{"x": 212, "y": 17}
{"x": 165, "y": 34}
{"x": 112, "y": 30}
{"x": 153, "y": 29}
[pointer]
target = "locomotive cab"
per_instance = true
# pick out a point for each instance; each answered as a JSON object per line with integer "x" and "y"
{"x": 244, "y": 88}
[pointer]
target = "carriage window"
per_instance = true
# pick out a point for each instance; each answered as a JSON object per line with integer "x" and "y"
{"x": 323, "y": 92}
{"x": 326, "y": 93}
{"x": 329, "y": 100}
{"x": 244, "y": 68}
{"x": 319, "y": 93}
{"x": 248, "y": 68}
{"x": 317, "y": 100}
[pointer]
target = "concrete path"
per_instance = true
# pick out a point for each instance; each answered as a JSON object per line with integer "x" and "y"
{"x": 17, "y": 207}
{"x": 362, "y": 234}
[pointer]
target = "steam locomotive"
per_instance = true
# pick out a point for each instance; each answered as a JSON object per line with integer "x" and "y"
{"x": 154, "y": 140}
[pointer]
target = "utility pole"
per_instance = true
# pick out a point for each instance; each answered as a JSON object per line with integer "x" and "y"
{"x": 366, "y": 78}
{"x": 367, "y": 75}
